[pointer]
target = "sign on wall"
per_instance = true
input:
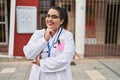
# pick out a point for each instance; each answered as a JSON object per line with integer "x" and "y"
{"x": 26, "y": 19}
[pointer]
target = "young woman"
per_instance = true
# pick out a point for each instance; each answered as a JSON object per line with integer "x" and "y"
{"x": 52, "y": 49}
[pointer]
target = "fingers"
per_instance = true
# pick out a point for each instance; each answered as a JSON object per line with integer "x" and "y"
{"x": 37, "y": 61}
{"x": 49, "y": 33}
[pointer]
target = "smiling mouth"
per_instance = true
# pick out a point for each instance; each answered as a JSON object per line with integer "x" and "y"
{"x": 50, "y": 23}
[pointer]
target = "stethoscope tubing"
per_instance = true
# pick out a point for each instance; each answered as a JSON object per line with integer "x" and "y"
{"x": 57, "y": 39}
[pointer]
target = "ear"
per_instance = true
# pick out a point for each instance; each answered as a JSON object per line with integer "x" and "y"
{"x": 61, "y": 22}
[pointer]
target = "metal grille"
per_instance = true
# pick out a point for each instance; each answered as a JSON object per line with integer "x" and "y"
{"x": 44, "y": 7}
{"x": 102, "y": 36}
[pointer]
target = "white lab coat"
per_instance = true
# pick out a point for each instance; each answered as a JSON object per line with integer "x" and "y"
{"x": 55, "y": 67}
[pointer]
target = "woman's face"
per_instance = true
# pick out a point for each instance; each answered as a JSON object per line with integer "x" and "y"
{"x": 53, "y": 20}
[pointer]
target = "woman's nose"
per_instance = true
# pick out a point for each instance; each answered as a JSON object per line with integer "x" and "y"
{"x": 50, "y": 18}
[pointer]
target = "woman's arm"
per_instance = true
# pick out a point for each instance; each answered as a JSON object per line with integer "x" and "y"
{"x": 35, "y": 45}
{"x": 62, "y": 61}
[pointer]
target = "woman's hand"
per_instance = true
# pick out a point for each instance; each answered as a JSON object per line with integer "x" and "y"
{"x": 48, "y": 33}
{"x": 37, "y": 61}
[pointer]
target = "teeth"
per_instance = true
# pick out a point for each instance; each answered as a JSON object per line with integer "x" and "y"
{"x": 50, "y": 23}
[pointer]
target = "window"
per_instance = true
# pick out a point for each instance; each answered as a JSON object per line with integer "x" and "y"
{"x": 3, "y": 22}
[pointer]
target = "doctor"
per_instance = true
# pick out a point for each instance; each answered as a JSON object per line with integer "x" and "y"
{"x": 52, "y": 49}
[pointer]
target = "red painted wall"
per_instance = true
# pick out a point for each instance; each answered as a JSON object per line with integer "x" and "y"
{"x": 21, "y": 39}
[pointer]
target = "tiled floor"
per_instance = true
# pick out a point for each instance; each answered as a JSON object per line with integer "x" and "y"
{"x": 95, "y": 75}
{"x": 8, "y": 70}
{"x": 85, "y": 69}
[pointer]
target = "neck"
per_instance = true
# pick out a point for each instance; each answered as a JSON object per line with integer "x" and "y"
{"x": 55, "y": 32}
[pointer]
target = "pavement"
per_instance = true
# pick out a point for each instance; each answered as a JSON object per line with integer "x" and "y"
{"x": 82, "y": 69}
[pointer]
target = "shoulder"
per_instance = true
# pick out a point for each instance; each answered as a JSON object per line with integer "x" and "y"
{"x": 38, "y": 33}
{"x": 67, "y": 33}
{"x": 67, "y": 37}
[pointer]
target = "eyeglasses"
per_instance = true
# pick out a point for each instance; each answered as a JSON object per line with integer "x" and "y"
{"x": 52, "y": 16}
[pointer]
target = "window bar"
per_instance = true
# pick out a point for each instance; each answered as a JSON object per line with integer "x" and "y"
{"x": 107, "y": 26}
{"x": 109, "y": 23}
{"x": 100, "y": 30}
{"x": 102, "y": 7}
{"x": 6, "y": 22}
{"x": 111, "y": 28}
{"x": 107, "y": 16}
{"x": 118, "y": 22}
{"x": 2, "y": 25}
{"x": 98, "y": 27}
{"x": 116, "y": 25}
{"x": 96, "y": 21}
{"x": 103, "y": 22}
{"x": 93, "y": 16}
{"x": 98, "y": 10}
{"x": 91, "y": 22}
{"x": 0, "y": 19}
{"x": 88, "y": 17}
{"x": 95, "y": 2}
{"x": 86, "y": 20}
{"x": 56, "y": 2}
{"x": 114, "y": 28}
{"x": 112, "y": 23}
{"x": 66, "y": 5}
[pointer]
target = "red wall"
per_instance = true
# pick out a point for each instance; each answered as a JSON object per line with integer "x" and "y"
{"x": 21, "y": 39}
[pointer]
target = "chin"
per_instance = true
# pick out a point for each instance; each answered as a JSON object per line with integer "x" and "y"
{"x": 51, "y": 27}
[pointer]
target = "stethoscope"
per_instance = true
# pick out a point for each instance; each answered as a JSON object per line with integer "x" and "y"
{"x": 58, "y": 40}
{"x": 54, "y": 42}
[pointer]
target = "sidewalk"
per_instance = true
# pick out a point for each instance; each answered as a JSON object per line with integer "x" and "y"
{"x": 85, "y": 69}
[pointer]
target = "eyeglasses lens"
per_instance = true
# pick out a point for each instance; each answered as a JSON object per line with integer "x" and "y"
{"x": 52, "y": 16}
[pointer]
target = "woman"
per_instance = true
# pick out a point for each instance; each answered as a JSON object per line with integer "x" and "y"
{"x": 51, "y": 48}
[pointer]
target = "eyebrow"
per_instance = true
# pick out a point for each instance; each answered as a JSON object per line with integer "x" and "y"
{"x": 53, "y": 16}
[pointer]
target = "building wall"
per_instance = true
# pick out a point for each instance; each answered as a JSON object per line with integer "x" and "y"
{"x": 21, "y": 39}
{"x": 17, "y": 40}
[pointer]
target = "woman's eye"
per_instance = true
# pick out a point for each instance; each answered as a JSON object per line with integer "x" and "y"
{"x": 52, "y": 16}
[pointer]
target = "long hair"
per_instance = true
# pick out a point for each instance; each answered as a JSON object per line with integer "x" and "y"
{"x": 63, "y": 15}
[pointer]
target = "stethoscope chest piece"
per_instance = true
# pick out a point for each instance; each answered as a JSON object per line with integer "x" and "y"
{"x": 56, "y": 43}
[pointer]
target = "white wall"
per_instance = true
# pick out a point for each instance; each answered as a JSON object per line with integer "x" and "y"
{"x": 80, "y": 26}
{"x": 12, "y": 27}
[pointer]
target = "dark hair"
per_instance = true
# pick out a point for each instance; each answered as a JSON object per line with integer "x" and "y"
{"x": 63, "y": 15}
